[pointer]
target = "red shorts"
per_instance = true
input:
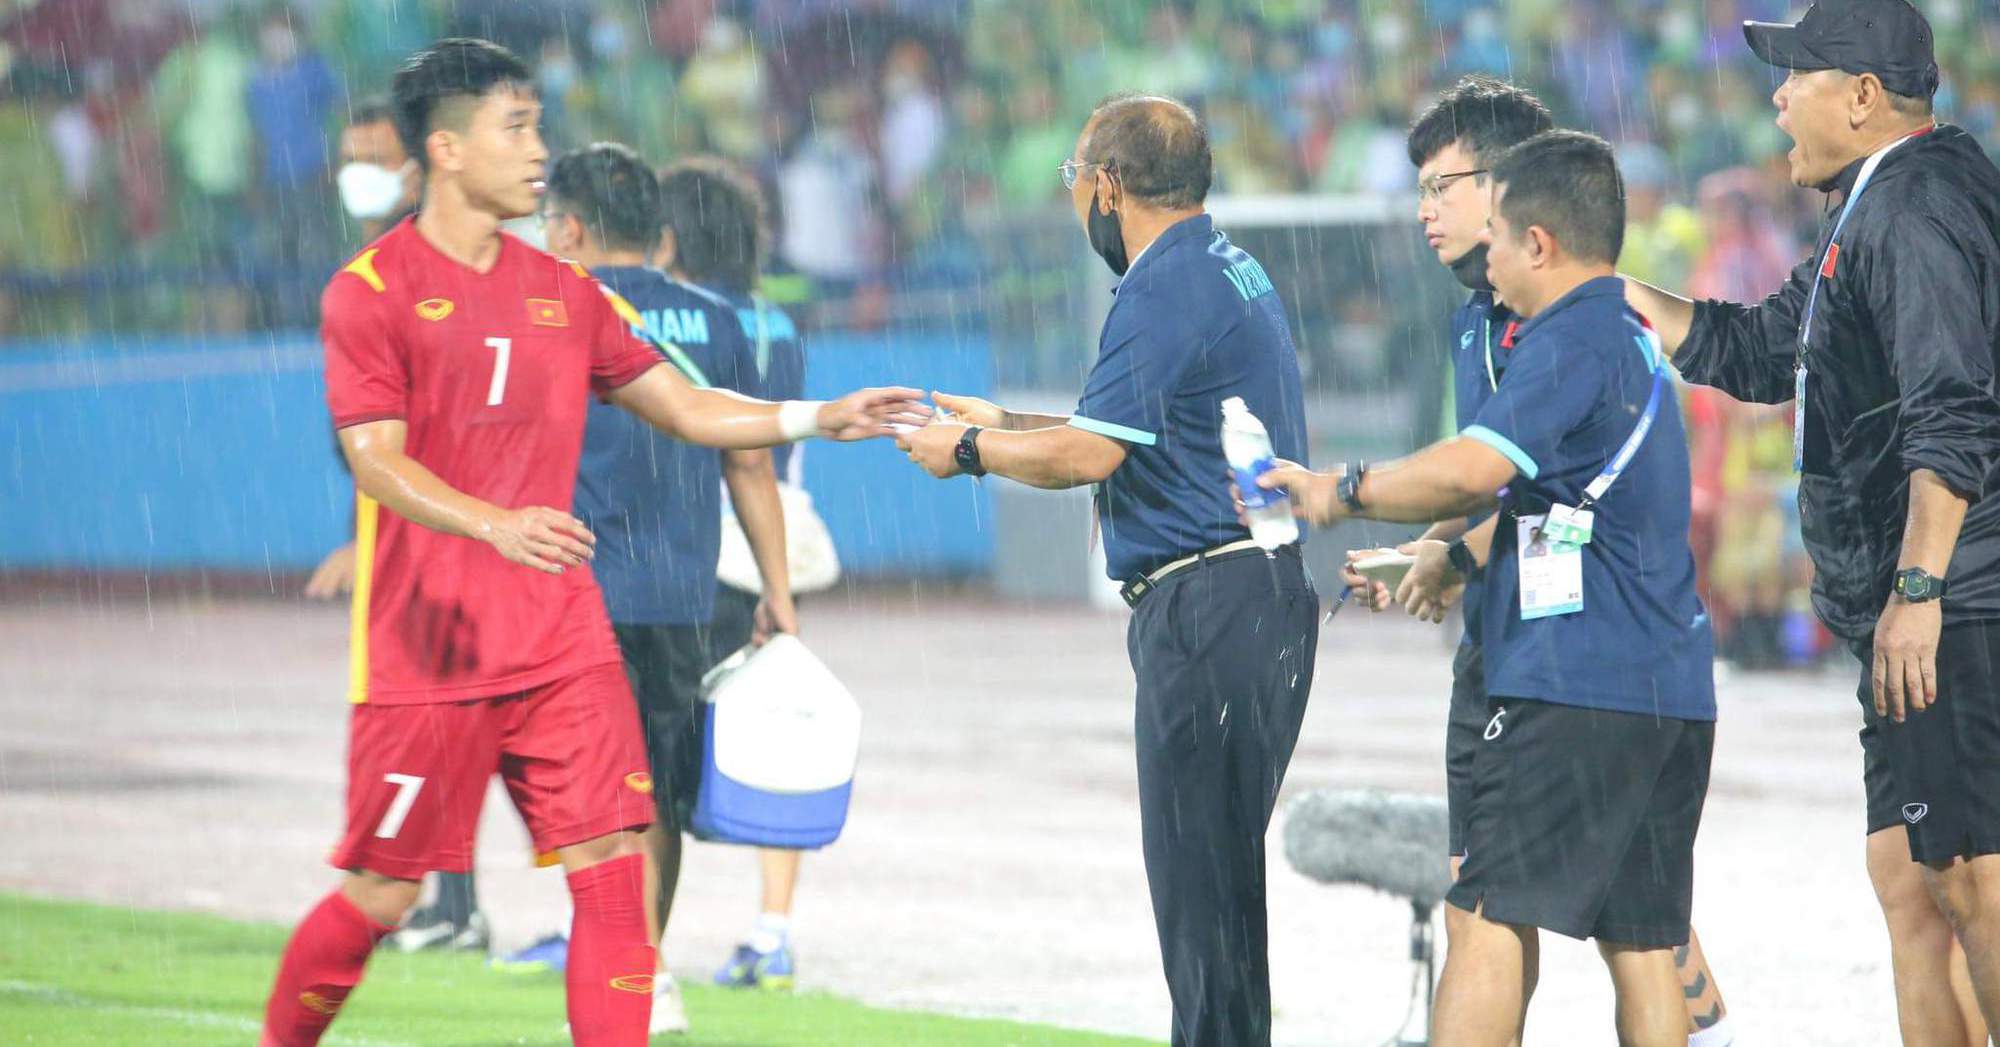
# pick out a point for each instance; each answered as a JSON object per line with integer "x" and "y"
{"x": 570, "y": 752}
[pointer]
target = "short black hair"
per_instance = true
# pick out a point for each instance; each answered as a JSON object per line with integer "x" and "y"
{"x": 717, "y": 215}
{"x": 1159, "y": 147}
{"x": 612, "y": 191}
{"x": 1486, "y": 114}
{"x": 456, "y": 68}
{"x": 1568, "y": 183}
{"x": 372, "y": 109}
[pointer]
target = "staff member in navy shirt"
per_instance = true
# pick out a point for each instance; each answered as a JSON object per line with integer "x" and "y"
{"x": 655, "y": 503}
{"x": 714, "y": 232}
{"x": 1223, "y": 635}
{"x": 1588, "y": 786}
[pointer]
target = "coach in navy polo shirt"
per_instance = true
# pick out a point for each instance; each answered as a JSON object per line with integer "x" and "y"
{"x": 1223, "y": 634}
{"x": 1588, "y": 785}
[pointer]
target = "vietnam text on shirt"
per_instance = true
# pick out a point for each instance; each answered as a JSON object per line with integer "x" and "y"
{"x": 1195, "y": 321}
{"x": 1575, "y": 387}
{"x": 655, "y": 503}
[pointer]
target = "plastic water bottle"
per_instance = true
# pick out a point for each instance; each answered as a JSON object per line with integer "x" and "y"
{"x": 1247, "y": 446}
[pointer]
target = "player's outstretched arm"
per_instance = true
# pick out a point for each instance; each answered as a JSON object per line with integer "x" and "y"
{"x": 545, "y": 539}
{"x": 720, "y": 418}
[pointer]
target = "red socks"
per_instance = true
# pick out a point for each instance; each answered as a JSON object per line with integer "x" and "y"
{"x": 611, "y": 956}
{"x": 322, "y": 964}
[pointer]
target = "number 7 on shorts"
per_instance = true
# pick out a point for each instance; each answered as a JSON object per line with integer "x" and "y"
{"x": 407, "y": 787}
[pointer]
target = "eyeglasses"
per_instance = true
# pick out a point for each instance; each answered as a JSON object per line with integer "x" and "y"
{"x": 1069, "y": 169}
{"x": 1433, "y": 188}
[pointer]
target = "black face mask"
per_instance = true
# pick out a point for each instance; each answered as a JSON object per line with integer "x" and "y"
{"x": 1470, "y": 269}
{"x": 1107, "y": 237}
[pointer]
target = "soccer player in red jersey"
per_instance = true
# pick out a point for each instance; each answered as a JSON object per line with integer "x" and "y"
{"x": 458, "y": 366}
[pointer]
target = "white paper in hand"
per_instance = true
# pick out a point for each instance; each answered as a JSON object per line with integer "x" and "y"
{"x": 1387, "y": 568}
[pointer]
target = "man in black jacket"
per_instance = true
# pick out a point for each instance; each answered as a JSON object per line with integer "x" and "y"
{"x": 1885, "y": 338}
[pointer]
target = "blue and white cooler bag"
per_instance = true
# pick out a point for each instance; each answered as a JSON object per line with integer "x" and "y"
{"x": 778, "y": 759}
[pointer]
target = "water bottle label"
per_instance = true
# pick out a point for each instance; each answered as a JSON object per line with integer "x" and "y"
{"x": 1255, "y": 497}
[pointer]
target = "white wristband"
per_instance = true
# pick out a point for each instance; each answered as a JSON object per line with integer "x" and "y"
{"x": 799, "y": 419}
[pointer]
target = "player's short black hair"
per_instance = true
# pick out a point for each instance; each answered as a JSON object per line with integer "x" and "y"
{"x": 1568, "y": 183}
{"x": 1159, "y": 145}
{"x": 716, "y": 212}
{"x": 455, "y": 69}
{"x": 372, "y": 109}
{"x": 1486, "y": 114}
{"x": 612, "y": 191}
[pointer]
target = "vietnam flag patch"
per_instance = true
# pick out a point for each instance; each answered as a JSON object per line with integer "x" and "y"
{"x": 1832, "y": 256}
{"x": 547, "y": 312}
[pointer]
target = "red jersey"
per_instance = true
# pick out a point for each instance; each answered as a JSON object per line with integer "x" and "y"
{"x": 493, "y": 373}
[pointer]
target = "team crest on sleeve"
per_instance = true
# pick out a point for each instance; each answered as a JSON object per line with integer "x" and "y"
{"x": 547, "y": 312}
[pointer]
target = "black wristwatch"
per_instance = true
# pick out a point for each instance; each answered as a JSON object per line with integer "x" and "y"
{"x": 1349, "y": 489}
{"x": 966, "y": 454}
{"x": 1917, "y": 585}
{"x": 1460, "y": 556}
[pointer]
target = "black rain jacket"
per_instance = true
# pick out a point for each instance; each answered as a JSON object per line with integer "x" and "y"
{"x": 1900, "y": 373}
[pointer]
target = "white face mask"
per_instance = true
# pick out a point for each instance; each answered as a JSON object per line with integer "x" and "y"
{"x": 369, "y": 191}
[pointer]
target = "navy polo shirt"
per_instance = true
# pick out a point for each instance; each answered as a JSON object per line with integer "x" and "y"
{"x": 654, "y": 502}
{"x": 1195, "y": 322}
{"x": 781, "y": 364}
{"x": 1480, "y": 349}
{"x": 1575, "y": 388}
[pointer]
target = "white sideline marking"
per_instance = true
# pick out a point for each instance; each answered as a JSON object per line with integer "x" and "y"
{"x": 206, "y": 1019}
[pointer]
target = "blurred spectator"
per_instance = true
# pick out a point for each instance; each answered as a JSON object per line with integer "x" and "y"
{"x": 828, "y": 190}
{"x": 724, "y": 84}
{"x": 1753, "y": 581}
{"x": 292, "y": 94}
{"x": 633, "y": 97}
{"x": 370, "y": 38}
{"x": 1662, "y": 238}
{"x": 201, "y": 105}
{"x": 379, "y": 183}
{"x": 913, "y": 119}
{"x": 1039, "y": 140}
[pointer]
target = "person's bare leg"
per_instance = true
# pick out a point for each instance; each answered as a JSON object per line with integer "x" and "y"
{"x": 1968, "y": 1005}
{"x": 1652, "y": 1011}
{"x": 780, "y": 870}
{"x": 1482, "y": 998}
{"x": 1927, "y": 1011}
{"x": 1968, "y": 889}
{"x": 1698, "y": 988}
{"x": 664, "y": 845}
{"x": 1455, "y": 920}
{"x": 384, "y": 899}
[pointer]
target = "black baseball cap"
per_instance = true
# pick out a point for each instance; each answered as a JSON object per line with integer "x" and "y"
{"x": 1886, "y": 37}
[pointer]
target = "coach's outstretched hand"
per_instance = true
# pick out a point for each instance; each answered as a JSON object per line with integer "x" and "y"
{"x": 869, "y": 413}
{"x": 548, "y": 540}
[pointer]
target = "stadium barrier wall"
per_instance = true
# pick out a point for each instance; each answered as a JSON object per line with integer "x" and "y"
{"x": 179, "y": 454}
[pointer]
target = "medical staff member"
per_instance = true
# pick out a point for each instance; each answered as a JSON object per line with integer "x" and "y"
{"x": 1223, "y": 635}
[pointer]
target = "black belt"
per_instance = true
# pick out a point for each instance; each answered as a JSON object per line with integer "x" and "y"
{"x": 1142, "y": 584}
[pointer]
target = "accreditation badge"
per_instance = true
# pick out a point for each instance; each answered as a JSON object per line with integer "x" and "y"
{"x": 1551, "y": 572}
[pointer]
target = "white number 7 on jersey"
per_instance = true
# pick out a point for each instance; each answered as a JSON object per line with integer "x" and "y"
{"x": 498, "y": 389}
{"x": 407, "y": 787}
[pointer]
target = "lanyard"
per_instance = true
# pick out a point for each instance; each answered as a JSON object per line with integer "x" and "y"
{"x": 1656, "y": 362}
{"x": 1831, "y": 254}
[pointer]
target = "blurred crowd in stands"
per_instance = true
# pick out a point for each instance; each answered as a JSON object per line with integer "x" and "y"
{"x": 170, "y": 166}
